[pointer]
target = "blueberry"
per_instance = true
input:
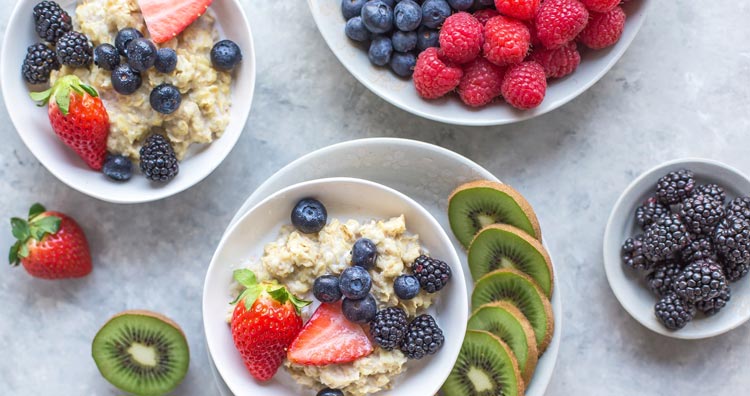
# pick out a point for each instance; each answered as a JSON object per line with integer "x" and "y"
{"x": 351, "y": 8}
{"x": 355, "y": 283}
{"x": 330, "y": 392}
{"x": 404, "y": 41}
{"x": 390, "y": 3}
{"x": 106, "y": 56}
{"x": 427, "y": 38}
{"x": 364, "y": 253}
{"x": 407, "y": 15}
{"x": 165, "y": 98}
{"x": 360, "y": 311}
{"x": 434, "y": 13}
{"x": 380, "y": 50}
{"x": 406, "y": 287}
{"x": 403, "y": 63}
{"x": 479, "y": 4}
{"x": 225, "y": 55}
{"x": 309, "y": 216}
{"x": 326, "y": 289}
{"x": 461, "y": 5}
{"x": 124, "y": 37}
{"x": 118, "y": 167}
{"x": 356, "y": 30}
{"x": 125, "y": 80}
{"x": 166, "y": 60}
{"x": 377, "y": 16}
{"x": 141, "y": 54}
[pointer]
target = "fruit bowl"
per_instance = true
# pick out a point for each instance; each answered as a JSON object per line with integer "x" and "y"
{"x": 401, "y": 93}
{"x": 345, "y": 198}
{"x": 33, "y": 126}
{"x": 634, "y": 296}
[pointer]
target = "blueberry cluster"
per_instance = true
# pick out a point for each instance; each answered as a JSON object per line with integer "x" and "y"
{"x": 693, "y": 244}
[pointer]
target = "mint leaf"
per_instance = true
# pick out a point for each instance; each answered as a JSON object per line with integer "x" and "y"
{"x": 20, "y": 229}
{"x": 245, "y": 277}
{"x": 36, "y": 210}
{"x": 13, "y": 255}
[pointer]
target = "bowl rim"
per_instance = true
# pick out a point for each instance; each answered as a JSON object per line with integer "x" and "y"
{"x": 158, "y": 193}
{"x": 609, "y": 234}
{"x": 458, "y": 274}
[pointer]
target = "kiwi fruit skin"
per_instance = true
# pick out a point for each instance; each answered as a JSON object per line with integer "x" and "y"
{"x": 515, "y": 331}
{"x": 537, "y": 309}
{"x": 113, "y": 373}
{"x": 518, "y": 213}
{"x": 482, "y": 262}
{"x": 454, "y": 386}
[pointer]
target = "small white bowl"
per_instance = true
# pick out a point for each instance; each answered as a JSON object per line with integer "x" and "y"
{"x": 401, "y": 93}
{"x": 626, "y": 283}
{"x": 34, "y": 128}
{"x": 344, "y": 198}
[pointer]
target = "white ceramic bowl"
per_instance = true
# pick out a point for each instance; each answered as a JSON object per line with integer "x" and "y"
{"x": 401, "y": 93}
{"x": 33, "y": 126}
{"x": 627, "y": 284}
{"x": 344, "y": 198}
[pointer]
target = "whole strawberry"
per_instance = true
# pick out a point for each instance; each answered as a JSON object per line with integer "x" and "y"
{"x": 78, "y": 117}
{"x": 265, "y": 321}
{"x": 50, "y": 245}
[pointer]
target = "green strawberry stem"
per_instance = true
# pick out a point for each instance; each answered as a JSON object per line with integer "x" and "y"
{"x": 61, "y": 92}
{"x": 253, "y": 290}
{"x": 36, "y": 227}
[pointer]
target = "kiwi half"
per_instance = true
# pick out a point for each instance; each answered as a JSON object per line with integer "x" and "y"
{"x": 475, "y": 205}
{"x": 504, "y": 246}
{"x": 517, "y": 288}
{"x": 485, "y": 367}
{"x": 505, "y": 321}
{"x": 142, "y": 353}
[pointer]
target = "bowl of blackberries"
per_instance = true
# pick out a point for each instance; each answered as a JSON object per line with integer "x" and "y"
{"x": 677, "y": 249}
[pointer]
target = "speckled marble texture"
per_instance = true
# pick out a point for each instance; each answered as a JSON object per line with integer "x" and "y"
{"x": 681, "y": 90}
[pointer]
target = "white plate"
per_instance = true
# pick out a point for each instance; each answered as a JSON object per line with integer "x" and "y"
{"x": 33, "y": 126}
{"x": 626, "y": 283}
{"x": 401, "y": 92}
{"x": 424, "y": 172}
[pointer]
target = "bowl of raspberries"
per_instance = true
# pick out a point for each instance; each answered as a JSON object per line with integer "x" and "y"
{"x": 677, "y": 249}
{"x": 478, "y": 62}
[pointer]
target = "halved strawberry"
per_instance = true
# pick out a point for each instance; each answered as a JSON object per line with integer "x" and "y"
{"x": 166, "y": 19}
{"x": 329, "y": 338}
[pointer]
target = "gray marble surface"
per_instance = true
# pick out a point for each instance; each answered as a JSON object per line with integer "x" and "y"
{"x": 681, "y": 90}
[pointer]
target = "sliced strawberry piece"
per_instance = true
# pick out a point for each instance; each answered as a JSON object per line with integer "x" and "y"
{"x": 329, "y": 338}
{"x": 166, "y": 19}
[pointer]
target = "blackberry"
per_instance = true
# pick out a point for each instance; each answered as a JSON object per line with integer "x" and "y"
{"x": 74, "y": 49}
{"x": 700, "y": 248}
{"x": 660, "y": 280}
{"x": 423, "y": 337}
{"x": 51, "y": 21}
{"x": 632, "y": 254}
{"x": 388, "y": 327}
{"x": 739, "y": 207}
{"x": 665, "y": 237}
{"x": 673, "y": 312}
{"x": 732, "y": 243}
{"x": 701, "y": 213}
{"x": 38, "y": 64}
{"x": 675, "y": 186}
{"x": 650, "y": 211}
{"x": 158, "y": 160}
{"x": 714, "y": 305}
{"x": 712, "y": 190}
{"x": 700, "y": 281}
{"x": 432, "y": 274}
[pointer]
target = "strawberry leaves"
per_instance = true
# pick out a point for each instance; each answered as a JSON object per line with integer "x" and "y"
{"x": 36, "y": 227}
{"x": 253, "y": 290}
{"x": 61, "y": 92}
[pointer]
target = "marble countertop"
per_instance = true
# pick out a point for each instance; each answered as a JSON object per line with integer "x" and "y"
{"x": 681, "y": 90}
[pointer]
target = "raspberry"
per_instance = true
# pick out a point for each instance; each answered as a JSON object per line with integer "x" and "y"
{"x": 604, "y": 30}
{"x": 485, "y": 14}
{"x": 560, "y": 21}
{"x": 519, "y": 9}
{"x": 559, "y": 62}
{"x": 525, "y": 85}
{"x": 434, "y": 78}
{"x": 600, "y": 5}
{"x": 461, "y": 38}
{"x": 534, "y": 36}
{"x": 481, "y": 82}
{"x": 506, "y": 41}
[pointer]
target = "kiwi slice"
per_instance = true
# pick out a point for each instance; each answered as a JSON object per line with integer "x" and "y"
{"x": 517, "y": 288}
{"x": 142, "y": 353}
{"x": 485, "y": 367}
{"x": 505, "y": 321}
{"x": 478, "y": 204}
{"x": 504, "y": 246}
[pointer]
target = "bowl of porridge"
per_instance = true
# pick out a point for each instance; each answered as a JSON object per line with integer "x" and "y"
{"x": 266, "y": 242}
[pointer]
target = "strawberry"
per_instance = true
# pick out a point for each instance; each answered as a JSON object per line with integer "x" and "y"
{"x": 78, "y": 117}
{"x": 165, "y": 19}
{"x": 265, "y": 321}
{"x": 329, "y": 338}
{"x": 50, "y": 245}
